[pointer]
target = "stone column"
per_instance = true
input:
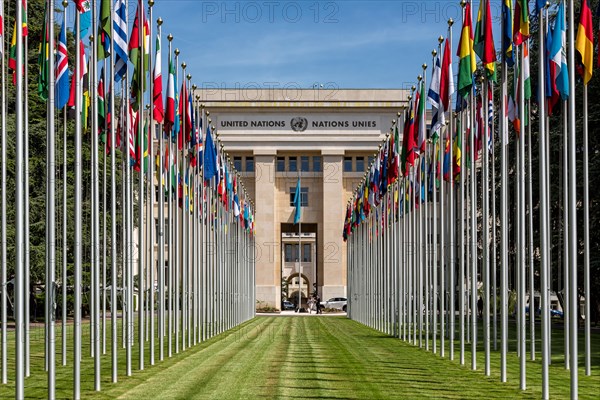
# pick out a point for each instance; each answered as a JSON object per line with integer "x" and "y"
{"x": 333, "y": 256}
{"x": 268, "y": 254}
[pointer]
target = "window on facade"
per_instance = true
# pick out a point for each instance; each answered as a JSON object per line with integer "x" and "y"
{"x": 306, "y": 252}
{"x": 280, "y": 164}
{"x": 291, "y": 252}
{"x": 303, "y": 196}
{"x": 360, "y": 164}
{"x": 237, "y": 163}
{"x": 371, "y": 159}
{"x": 249, "y": 164}
{"x": 347, "y": 164}
{"x": 316, "y": 163}
{"x": 293, "y": 164}
{"x": 304, "y": 163}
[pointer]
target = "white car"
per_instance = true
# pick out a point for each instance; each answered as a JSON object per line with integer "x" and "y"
{"x": 341, "y": 303}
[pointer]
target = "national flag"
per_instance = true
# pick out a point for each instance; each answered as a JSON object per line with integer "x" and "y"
{"x": 558, "y": 53}
{"x": 526, "y": 71}
{"x": 12, "y": 52}
{"x": 598, "y": 45}
{"x": 82, "y": 73}
{"x": 185, "y": 111}
{"x": 85, "y": 15}
{"x": 521, "y": 22}
{"x": 433, "y": 96}
{"x": 85, "y": 92}
{"x": 132, "y": 122}
{"x": 170, "y": 111}
{"x": 44, "y": 58}
{"x": 507, "y": 24}
{"x": 456, "y": 151}
{"x": 62, "y": 69}
{"x": 1, "y": 27}
{"x": 297, "y": 203}
{"x": 408, "y": 143}
{"x": 446, "y": 78}
{"x": 103, "y": 42}
{"x": 484, "y": 41}
{"x": 584, "y": 43}
{"x": 139, "y": 57}
{"x": 120, "y": 40}
{"x": 157, "y": 95}
{"x": 467, "y": 63}
{"x": 210, "y": 157}
{"x": 420, "y": 143}
{"x": 552, "y": 94}
{"x": 101, "y": 108}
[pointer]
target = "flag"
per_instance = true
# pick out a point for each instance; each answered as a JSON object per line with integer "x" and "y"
{"x": 297, "y": 203}
{"x": 483, "y": 43}
{"x": 170, "y": 111}
{"x": 507, "y": 48}
{"x": 433, "y": 96}
{"x": 552, "y": 94}
{"x": 558, "y": 53}
{"x": 103, "y": 42}
{"x": 185, "y": 112}
{"x": 85, "y": 92}
{"x": 85, "y": 15}
{"x": 120, "y": 31}
{"x": 62, "y": 69}
{"x": 44, "y": 58}
{"x": 132, "y": 122}
{"x": 1, "y": 27}
{"x": 446, "y": 78}
{"x": 12, "y": 52}
{"x": 101, "y": 108}
{"x": 159, "y": 111}
{"x": 526, "y": 71}
{"x": 521, "y": 22}
{"x": 139, "y": 57}
{"x": 82, "y": 73}
{"x": 456, "y": 152}
{"x": 467, "y": 64}
{"x": 210, "y": 157}
{"x": 490, "y": 118}
{"x": 420, "y": 144}
{"x": 584, "y": 43}
{"x": 598, "y": 46}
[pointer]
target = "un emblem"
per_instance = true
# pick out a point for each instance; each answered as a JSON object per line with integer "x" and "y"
{"x": 299, "y": 124}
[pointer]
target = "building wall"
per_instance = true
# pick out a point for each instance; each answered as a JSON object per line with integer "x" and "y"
{"x": 267, "y": 124}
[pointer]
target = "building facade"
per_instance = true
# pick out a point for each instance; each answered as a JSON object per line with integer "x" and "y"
{"x": 324, "y": 139}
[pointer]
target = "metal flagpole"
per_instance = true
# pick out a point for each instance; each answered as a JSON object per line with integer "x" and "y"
{"x": 504, "y": 219}
{"x": 177, "y": 263}
{"x": 521, "y": 220}
{"x": 150, "y": 222}
{"x": 485, "y": 229}
{"x": 442, "y": 269}
{"x": 113, "y": 208}
{"x": 572, "y": 206}
{"x": 141, "y": 306}
{"x": 434, "y": 225}
{"x": 529, "y": 189}
{"x": 463, "y": 232}
{"x": 586, "y": 236}
{"x": 64, "y": 279}
{"x": 104, "y": 251}
{"x": 26, "y": 285}
{"x": 50, "y": 210}
{"x": 95, "y": 287}
{"x": 3, "y": 279}
{"x": 161, "y": 226}
{"x": 473, "y": 223}
{"x": 19, "y": 231}
{"x": 493, "y": 233}
{"x": 451, "y": 215}
{"x": 171, "y": 251}
{"x": 78, "y": 227}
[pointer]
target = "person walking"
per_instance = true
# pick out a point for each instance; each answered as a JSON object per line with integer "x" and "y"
{"x": 319, "y": 305}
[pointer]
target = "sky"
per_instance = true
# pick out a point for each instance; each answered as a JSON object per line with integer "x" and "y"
{"x": 299, "y": 44}
{"x": 305, "y": 43}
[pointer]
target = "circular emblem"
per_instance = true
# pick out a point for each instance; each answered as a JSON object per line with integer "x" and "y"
{"x": 299, "y": 124}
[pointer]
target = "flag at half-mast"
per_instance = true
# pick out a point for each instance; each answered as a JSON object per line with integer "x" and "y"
{"x": 584, "y": 43}
{"x": 297, "y": 203}
{"x": 467, "y": 63}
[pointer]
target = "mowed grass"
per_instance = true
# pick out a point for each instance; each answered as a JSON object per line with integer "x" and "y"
{"x": 305, "y": 357}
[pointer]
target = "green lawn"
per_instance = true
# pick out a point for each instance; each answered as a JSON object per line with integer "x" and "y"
{"x": 305, "y": 357}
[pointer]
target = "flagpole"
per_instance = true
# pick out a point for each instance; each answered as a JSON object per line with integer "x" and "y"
{"x": 442, "y": 269}
{"x": 3, "y": 279}
{"x": 503, "y": 214}
{"x": 521, "y": 220}
{"x": 51, "y": 209}
{"x": 451, "y": 214}
{"x": 151, "y": 192}
{"x": 473, "y": 238}
{"x": 27, "y": 243}
{"x": 586, "y": 235}
{"x": 19, "y": 222}
{"x": 434, "y": 225}
{"x": 78, "y": 215}
{"x": 95, "y": 287}
{"x": 64, "y": 278}
{"x": 492, "y": 151}
{"x": 161, "y": 227}
{"x": 170, "y": 225}
{"x": 104, "y": 219}
{"x": 176, "y": 216}
{"x": 572, "y": 206}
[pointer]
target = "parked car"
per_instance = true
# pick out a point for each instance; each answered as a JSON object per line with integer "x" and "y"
{"x": 287, "y": 305}
{"x": 553, "y": 312}
{"x": 341, "y": 303}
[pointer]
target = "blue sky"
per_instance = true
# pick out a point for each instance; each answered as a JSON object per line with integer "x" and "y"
{"x": 345, "y": 44}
